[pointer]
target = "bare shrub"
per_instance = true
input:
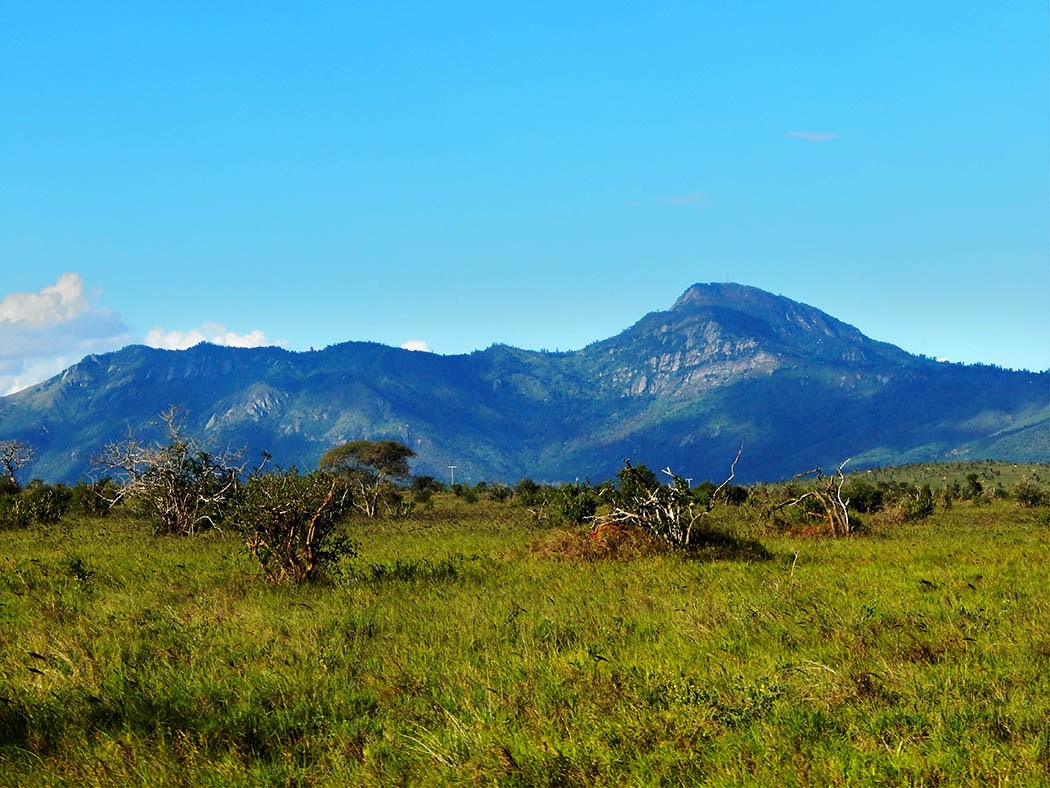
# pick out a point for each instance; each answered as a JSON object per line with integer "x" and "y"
{"x": 180, "y": 484}
{"x": 14, "y": 455}
{"x": 823, "y": 504}
{"x": 669, "y": 512}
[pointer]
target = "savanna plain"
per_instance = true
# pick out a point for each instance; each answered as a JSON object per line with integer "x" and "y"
{"x": 471, "y": 641}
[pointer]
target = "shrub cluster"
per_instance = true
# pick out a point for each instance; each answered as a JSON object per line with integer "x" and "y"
{"x": 37, "y": 503}
{"x": 288, "y": 523}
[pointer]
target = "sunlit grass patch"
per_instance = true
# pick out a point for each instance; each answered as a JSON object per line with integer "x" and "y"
{"x": 449, "y": 651}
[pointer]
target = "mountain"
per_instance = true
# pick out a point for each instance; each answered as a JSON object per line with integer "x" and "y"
{"x": 727, "y": 365}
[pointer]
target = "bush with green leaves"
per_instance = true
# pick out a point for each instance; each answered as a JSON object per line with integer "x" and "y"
{"x": 14, "y": 513}
{"x": 973, "y": 488}
{"x": 93, "y": 498}
{"x": 288, "y": 522}
{"x": 1028, "y": 494}
{"x": 47, "y": 503}
{"x": 371, "y": 469}
{"x": 574, "y": 503}
{"x": 37, "y": 503}
{"x": 527, "y": 492}
{"x": 634, "y": 482}
{"x": 919, "y": 504}
{"x": 864, "y": 497}
{"x": 498, "y": 492}
{"x": 423, "y": 489}
{"x": 672, "y": 512}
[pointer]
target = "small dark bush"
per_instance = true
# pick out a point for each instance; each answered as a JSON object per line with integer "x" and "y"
{"x": 47, "y": 503}
{"x": 468, "y": 494}
{"x": 864, "y": 497}
{"x": 499, "y": 492}
{"x": 92, "y": 499}
{"x": 574, "y": 504}
{"x": 14, "y": 512}
{"x": 421, "y": 484}
{"x": 527, "y": 492}
{"x": 38, "y": 503}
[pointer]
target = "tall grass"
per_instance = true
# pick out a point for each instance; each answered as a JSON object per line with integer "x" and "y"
{"x": 451, "y": 652}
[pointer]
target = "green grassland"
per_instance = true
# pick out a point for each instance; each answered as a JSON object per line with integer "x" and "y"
{"x": 460, "y": 648}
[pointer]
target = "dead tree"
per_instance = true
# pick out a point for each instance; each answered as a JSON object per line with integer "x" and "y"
{"x": 180, "y": 483}
{"x": 14, "y": 456}
{"x": 827, "y": 494}
{"x": 669, "y": 511}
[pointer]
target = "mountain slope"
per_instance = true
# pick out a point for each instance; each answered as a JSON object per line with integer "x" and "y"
{"x": 726, "y": 365}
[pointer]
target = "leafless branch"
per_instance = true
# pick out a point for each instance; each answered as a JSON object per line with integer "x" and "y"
{"x": 669, "y": 511}
{"x": 181, "y": 483}
{"x": 14, "y": 455}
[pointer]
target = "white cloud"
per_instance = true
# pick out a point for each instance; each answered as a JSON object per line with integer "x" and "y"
{"x": 55, "y": 303}
{"x": 45, "y": 332}
{"x": 215, "y": 333}
{"x": 812, "y": 136}
{"x": 42, "y": 333}
{"x": 416, "y": 344}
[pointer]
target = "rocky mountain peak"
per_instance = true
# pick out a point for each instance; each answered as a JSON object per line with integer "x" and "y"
{"x": 685, "y": 386}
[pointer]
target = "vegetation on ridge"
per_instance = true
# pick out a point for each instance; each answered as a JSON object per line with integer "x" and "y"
{"x": 684, "y": 387}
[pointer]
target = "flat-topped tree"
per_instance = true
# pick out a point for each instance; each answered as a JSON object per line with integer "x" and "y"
{"x": 370, "y": 467}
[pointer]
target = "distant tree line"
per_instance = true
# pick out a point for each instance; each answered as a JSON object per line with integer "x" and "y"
{"x": 289, "y": 520}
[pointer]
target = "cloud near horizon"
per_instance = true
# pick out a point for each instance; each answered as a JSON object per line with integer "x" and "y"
{"x": 416, "y": 344}
{"x": 43, "y": 333}
{"x": 214, "y": 333}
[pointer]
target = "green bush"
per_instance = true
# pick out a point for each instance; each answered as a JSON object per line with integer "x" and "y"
{"x": 38, "y": 503}
{"x": 864, "y": 496}
{"x": 574, "y": 504}
{"x": 1029, "y": 494}
{"x": 499, "y": 492}
{"x": 288, "y": 523}
{"x": 92, "y": 499}
{"x": 919, "y": 505}
{"x": 47, "y": 503}
{"x": 14, "y": 512}
{"x": 527, "y": 492}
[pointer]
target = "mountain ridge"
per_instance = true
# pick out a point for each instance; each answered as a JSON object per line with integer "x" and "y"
{"x": 724, "y": 365}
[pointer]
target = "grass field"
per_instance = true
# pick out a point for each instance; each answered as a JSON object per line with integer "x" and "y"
{"x": 454, "y": 651}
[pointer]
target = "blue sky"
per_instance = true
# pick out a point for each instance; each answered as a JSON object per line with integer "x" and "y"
{"x": 459, "y": 174}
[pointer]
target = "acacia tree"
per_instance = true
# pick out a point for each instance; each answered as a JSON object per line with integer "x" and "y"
{"x": 369, "y": 468}
{"x": 180, "y": 483}
{"x": 14, "y": 456}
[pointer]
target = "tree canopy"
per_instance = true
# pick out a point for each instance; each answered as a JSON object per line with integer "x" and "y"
{"x": 385, "y": 458}
{"x": 369, "y": 468}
